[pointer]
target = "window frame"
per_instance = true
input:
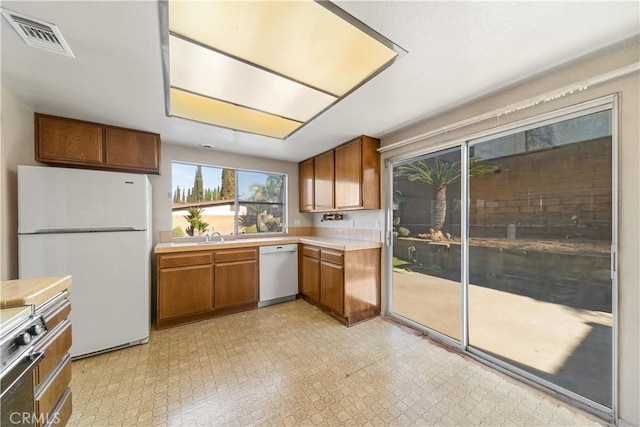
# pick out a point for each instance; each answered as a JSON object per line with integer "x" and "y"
{"x": 468, "y": 140}
{"x": 237, "y": 203}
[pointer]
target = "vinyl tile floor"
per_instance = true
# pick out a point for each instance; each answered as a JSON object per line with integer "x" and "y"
{"x": 293, "y": 365}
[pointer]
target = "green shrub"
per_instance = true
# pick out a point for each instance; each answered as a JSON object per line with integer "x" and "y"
{"x": 403, "y": 232}
{"x": 177, "y": 232}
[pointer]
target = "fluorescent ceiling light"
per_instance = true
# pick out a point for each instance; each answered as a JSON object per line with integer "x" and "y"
{"x": 287, "y": 61}
{"x": 202, "y": 109}
{"x": 218, "y": 76}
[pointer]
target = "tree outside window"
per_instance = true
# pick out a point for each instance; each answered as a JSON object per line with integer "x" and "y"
{"x": 229, "y": 201}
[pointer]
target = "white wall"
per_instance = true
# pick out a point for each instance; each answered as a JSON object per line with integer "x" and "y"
{"x": 17, "y": 146}
{"x": 628, "y": 87}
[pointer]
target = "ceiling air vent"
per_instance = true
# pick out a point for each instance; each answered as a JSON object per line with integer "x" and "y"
{"x": 38, "y": 33}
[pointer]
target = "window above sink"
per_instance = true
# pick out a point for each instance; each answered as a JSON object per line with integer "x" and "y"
{"x": 211, "y": 199}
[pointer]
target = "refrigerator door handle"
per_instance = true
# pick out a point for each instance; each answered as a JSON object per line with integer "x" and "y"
{"x": 81, "y": 230}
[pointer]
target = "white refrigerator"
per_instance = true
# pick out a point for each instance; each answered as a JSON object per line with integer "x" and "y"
{"x": 95, "y": 226}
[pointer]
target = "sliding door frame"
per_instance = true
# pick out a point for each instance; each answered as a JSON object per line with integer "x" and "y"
{"x": 610, "y": 102}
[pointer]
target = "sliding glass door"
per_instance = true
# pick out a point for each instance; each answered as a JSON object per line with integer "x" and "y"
{"x": 525, "y": 281}
{"x": 426, "y": 241}
{"x": 539, "y": 253}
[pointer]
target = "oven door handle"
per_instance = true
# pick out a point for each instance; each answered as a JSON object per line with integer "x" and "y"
{"x": 35, "y": 359}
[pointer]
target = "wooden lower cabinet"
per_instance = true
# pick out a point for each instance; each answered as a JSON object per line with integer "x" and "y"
{"x": 52, "y": 376}
{"x": 309, "y": 274}
{"x": 56, "y": 345}
{"x": 332, "y": 286}
{"x": 236, "y": 279}
{"x": 348, "y": 281}
{"x": 52, "y": 392}
{"x": 197, "y": 285}
{"x": 185, "y": 290}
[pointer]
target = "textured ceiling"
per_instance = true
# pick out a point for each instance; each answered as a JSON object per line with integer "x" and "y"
{"x": 457, "y": 52}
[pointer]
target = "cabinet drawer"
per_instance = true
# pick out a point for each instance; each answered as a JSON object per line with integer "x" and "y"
{"x": 55, "y": 310}
{"x": 311, "y": 252}
{"x": 55, "y": 345}
{"x": 236, "y": 255}
{"x": 185, "y": 259}
{"x": 335, "y": 257}
{"x": 53, "y": 389}
{"x": 62, "y": 411}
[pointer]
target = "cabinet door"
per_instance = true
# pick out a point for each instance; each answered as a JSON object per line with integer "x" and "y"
{"x": 185, "y": 290}
{"x": 305, "y": 175}
{"x": 60, "y": 140}
{"x": 132, "y": 150}
{"x": 349, "y": 175}
{"x": 236, "y": 283}
{"x": 310, "y": 277}
{"x": 332, "y": 286}
{"x": 323, "y": 181}
{"x": 370, "y": 185}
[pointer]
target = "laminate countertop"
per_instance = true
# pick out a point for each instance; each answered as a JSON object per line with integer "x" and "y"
{"x": 31, "y": 291}
{"x": 323, "y": 242}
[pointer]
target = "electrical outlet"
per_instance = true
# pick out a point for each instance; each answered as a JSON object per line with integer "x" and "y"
{"x": 296, "y": 222}
{"x": 377, "y": 224}
{"x": 351, "y": 224}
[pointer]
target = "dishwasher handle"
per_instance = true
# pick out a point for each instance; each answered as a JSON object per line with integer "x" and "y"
{"x": 278, "y": 249}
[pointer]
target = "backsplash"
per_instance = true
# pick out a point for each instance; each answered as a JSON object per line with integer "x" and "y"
{"x": 364, "y": 225}
{"x": 336, "y": 230}
{"x": 349, "y": 233}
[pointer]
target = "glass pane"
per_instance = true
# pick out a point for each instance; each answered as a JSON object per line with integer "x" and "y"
{"x": 203, "y": 200}
{"x": 426, "y": 243}
{"x": 259, "y": 218}
{"x": 261, "y": 197}
{"x": 539, "y": 253}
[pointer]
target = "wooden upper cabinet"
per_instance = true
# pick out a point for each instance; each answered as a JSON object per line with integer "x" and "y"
{"x": 133, "y": 150}
{"x": 305, "y": 177}
{"x": 347, "y": 177}
{"x": 358, "y": 174}
{"x": 370, "y": 184}
{"x": 324, "y": 181}
{"x": 62, "y": 141}
{"x": 65, "y": 141}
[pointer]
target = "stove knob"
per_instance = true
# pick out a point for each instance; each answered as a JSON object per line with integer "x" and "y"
{"x": 36, "y": 330}
{"x": 23, "y": 339}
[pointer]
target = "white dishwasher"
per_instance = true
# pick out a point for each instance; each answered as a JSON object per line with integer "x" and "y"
{"x": 278, "y": 274}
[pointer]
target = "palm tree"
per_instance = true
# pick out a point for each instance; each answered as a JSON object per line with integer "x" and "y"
{"x": 439, "y": 175}
{"x": 194, "y": 218}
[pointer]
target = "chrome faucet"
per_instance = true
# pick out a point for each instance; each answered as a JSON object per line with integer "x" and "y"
{"x": 215, "y": 233}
